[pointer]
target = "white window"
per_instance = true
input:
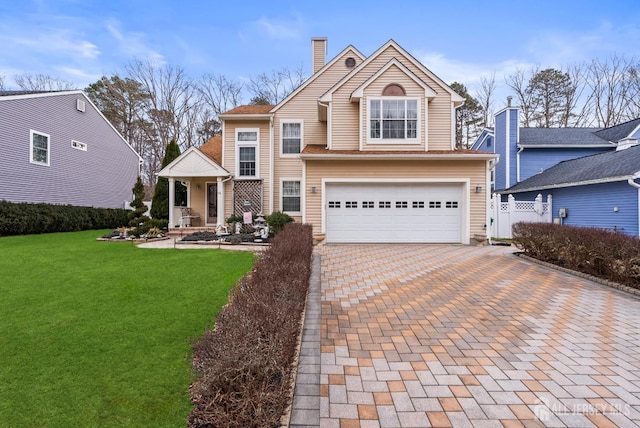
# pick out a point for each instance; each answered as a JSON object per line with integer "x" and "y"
{"x": 247, "y": 154}
{"x": 78, "y": 145}
{"x": 291, "y": 196}
{"x": 393, "y": 120}
{"x": 39, "y": 152}
{"x": 291, "y": 137}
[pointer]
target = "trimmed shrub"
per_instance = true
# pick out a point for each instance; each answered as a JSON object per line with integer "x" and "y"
{"x": 276, "y": 221}
{"x": 28, "y": 219}
{"x": 606, "y": 254}
{"x": 246, "y": 362}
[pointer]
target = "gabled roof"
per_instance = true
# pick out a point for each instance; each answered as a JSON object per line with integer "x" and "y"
{"x": 248, "y": 112}
{"x": 359, "y": 92}
{"x": 391, "y": 43}
{"x": 619, "y": 132}
{"x": 193, "y": 163}
{"x": 562, "y": 137}
{"x": 601, "y": 168}
{"x": 12, "y": 95}
{"x": 486, "y": 132}
{"x": 213, "y": 149}
{"x": 318, "y": 73}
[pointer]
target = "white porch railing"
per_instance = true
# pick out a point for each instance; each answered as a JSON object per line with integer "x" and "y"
{"x": 506, "y": 214}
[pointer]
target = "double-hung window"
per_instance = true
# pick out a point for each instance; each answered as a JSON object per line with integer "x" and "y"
{"x": 247, "y": 154}
{"x": 393, "y": 119}
{"x": 291, "y": 196}
{"x": 291, "y": 137}
{"x": 40, "y": 149}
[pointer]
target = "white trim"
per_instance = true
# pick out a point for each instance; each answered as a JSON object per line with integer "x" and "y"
{"x": 31, "y": 160}
{"x": 362, "y": 133}
{"x": 290, "y": 121}
{"x": 303, "y": 191}
{"x": 397, "y": 156}
{"x": 394, "y": 141}
{"x": 315, "y": 75}
{"x": 271, "y": 164}
{"x": 329, "y": 125}
{"x": 426, "y": 125}
{"x": 358, "y": 93}
{"x": 466, "y": 200}
{"x": 453, "y": 126}
{"x": 455, "y": 98}
{"x": 280, "y": 202}
{"x": 507, "y": 152}
{"x": 255, "y": 145}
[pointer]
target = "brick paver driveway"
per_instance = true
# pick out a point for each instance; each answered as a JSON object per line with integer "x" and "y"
{"x": 419, "y": 336}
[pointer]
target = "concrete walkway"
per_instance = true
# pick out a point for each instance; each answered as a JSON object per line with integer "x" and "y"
{"x": 420, "y": 336}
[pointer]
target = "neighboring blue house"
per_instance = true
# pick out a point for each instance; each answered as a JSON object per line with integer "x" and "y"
{"x": 600, "y": 190}
{"x": 525, "y": 152}
{"x": 58, "y": 148}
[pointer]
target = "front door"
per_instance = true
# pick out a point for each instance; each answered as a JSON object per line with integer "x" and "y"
{"x": 212, "y": 203}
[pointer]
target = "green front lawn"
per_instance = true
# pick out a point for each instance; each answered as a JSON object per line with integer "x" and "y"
{"x": 99, "y": 333}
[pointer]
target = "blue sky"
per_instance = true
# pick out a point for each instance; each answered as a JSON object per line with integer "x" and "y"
{"x": 81, "y": 40}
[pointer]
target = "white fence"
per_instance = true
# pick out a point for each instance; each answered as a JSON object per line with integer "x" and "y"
{"x": 506, "y": 214}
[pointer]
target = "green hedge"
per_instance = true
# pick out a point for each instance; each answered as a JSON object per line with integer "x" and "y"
{"x": 602, "y": 253}
{"x": 28, "y": 219}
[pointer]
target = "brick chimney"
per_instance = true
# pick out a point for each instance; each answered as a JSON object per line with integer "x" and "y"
{"x": 318, "y": 53}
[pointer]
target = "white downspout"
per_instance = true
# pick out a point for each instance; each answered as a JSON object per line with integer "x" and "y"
{"x": 520, "y": 149}
{"x": 637, "y": 186}
{"x": 220, "y": 186}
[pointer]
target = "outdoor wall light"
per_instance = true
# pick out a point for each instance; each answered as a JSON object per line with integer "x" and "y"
{"x": 313, "y": 189}
{"x": 478, "y": 189}
{"x": 615, "y": 209}
{"x": 197, "y": 187}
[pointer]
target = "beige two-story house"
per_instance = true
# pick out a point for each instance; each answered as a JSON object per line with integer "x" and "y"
{"x": 364, "y": 150}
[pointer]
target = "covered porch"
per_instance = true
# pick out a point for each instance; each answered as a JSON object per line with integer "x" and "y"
{"x": 204, "y": 181}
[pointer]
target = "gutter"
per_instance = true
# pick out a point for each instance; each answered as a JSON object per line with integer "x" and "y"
{"x": 384, "y": 156}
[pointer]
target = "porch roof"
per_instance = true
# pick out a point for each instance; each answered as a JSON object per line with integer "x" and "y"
{"x": 193, "y": 163}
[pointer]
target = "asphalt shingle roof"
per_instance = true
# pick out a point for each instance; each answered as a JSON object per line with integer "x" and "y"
{"x": 618, "y": 132}
{"x": 613, "y": 164}
{"x": 561, "y": 137}
{"x": 12, "y": 93}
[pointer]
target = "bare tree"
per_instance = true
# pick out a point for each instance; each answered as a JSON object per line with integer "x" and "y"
{"x": 611, "y": 88}
{"x": 42, "y": 82}
{"x": 170, "y": 95}
{"x": 274, "y": 87}
{"x": 633, "y": 97}
{"x": 2, "y": 83}
{"x": 485, "y": 98}
{"x": 519, "y": 82}
{"x": 577, "y": 110}
{"x": 219, "y": 93}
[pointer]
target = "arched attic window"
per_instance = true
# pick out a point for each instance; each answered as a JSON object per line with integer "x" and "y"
{"x": 394, "y": 90}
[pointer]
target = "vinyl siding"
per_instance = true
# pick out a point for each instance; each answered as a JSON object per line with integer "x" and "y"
{"x": 345, "y": 114}
{"x": 304, "y": 106}
{"x": 102, "y": 176}
{"x": 229, "y": 158}
{"x": 412, "y": 89}
{"x": 474, "y": 170}
{"x": 593, "y": 206}
{"x": 534, "y": 161}
{"x": 512, "y": 117}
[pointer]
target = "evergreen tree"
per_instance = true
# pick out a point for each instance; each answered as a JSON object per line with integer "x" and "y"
{"x": 468, "y": 117}
{"x": 160, "y": 202}
{"x": 139, "y": 208}
{"x": 551, "y": 91}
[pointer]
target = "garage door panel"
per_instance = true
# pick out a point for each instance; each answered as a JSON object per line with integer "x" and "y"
{"x": 394, "y": 212}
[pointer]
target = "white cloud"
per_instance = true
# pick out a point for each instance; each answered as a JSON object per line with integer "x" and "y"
{"x": 280, "y": 29}
{"x": 133, "y": 44}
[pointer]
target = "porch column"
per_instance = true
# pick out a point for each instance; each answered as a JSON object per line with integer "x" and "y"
{"x": 172, "y": 200}
{"x": 220, "y": 213}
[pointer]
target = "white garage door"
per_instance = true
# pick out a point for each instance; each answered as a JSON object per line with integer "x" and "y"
{"x": 394, "y": 212}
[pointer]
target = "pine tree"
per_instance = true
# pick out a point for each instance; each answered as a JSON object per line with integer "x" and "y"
{"x": 139, "y": 208}
{"x": 160, "y": 202}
